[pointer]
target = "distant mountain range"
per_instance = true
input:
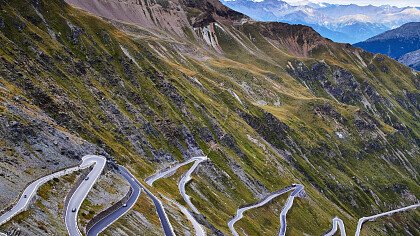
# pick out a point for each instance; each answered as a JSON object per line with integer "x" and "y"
{"x": 341, "y": 23}
{"x": 402, "y": 43}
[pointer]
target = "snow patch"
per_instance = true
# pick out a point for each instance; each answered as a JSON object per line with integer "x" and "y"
{"x": 127, "y": 53}
{"x": 235, "y": 96}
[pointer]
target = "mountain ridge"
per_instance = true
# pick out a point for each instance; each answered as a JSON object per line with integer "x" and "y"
{"x": 356, "y": 23}
{"x": 395, "y": 43}
{"x": 270, "y": 104}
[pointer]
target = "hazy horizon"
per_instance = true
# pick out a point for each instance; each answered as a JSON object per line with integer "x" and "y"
{"x": 398, "y": 3}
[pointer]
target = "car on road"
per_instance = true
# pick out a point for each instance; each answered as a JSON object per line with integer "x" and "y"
{"x": 25, "y": 196}
{"x": 73, "y": 210}
{"x": 293, "y": 185}
{"x": 87, "y": 178}
{"x": 125, "y": 205}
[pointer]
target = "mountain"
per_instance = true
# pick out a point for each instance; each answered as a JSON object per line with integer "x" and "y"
{"x": 341, "y": 23}
{"x": 411, "y": 59}
{"x": 150, "y": 84}
{"x": 400, "y": 43}
{"x": 396, "y": 42}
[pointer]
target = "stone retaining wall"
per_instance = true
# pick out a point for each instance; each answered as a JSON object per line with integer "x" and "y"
{"x": 108, "y": 211}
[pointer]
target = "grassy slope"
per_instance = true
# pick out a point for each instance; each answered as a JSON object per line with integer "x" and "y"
{"x": 88, "y": 77}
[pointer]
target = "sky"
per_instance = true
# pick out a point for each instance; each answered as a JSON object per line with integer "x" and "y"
{"x": 399, "y": 3}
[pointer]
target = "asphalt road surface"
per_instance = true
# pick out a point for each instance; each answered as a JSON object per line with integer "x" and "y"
{"x": 388, "y": 213}
{"x": 337, "y": 222}
{"x": 283, "y": 224}
{"x": 199, "y": 231}
{"x": 162, "y": 174}
{"x": 240, "y": 211}
{"x": 166, "y": 224}
{"x": 185, "y": 179}
{"x": 30, "y": 191}
{"x": 81, "y": 192}
{"x": 115, "y": 215}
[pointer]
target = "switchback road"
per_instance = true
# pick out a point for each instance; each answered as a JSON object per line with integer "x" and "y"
{"x": 81, "y": 192}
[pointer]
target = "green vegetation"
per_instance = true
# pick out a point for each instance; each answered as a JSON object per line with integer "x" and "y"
{"x": 347, "y": 132}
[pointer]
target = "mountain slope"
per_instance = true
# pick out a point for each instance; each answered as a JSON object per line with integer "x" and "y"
{"x": 270, "y": 104}
{"x": 395, "y": 43}
{"x": 411, "y": 59}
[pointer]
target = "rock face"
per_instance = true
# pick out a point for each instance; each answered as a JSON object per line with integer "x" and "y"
{"x": 153, "y": 83}
{"x": 150, "y": 14}
{"x": 33, "y": 146}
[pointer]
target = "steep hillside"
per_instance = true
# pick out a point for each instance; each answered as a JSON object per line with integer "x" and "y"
{"x": 394, "y": 43}
{"x": 150, "y": 83}
{"x": 411, "y": 59}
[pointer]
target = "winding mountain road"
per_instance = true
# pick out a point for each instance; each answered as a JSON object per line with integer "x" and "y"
{"x": 240, "y": 211}
{"x": 283, "y": 224}
{"x": 297, "y": 189}
{"x": 374, "y": 217}
{"x": 199, "y": 230}
{"x": 337, "y": 222}
{"x": 162, "y": 174}
{"x": 32, "y": 188}
{"x": 164, "y": 220}
{"x": 82, "y": 191}
{"x": 119, "y": 212}
{"x": 185, "y": 179}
